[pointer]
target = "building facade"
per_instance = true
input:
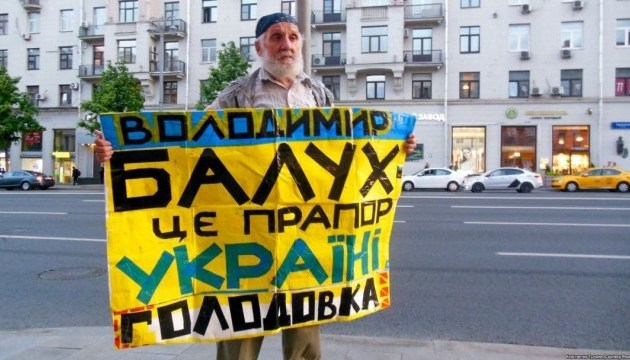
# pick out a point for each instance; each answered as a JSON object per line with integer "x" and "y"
{"x": 539, "y": 84}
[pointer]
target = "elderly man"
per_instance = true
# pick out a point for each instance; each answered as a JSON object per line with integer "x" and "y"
{"x": 279, "y": 83}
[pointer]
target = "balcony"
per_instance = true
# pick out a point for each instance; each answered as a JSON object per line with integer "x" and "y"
{"x": 31, "y": 5}
{"x": 418, "y": 59}
{"x": 175, "y": 69}
{"x": 424, "y": 14}
{"x": 171, "y": 29}
{"x": 90, "y": 72}
{"x": 92, "y": 33}
{"x": 321, "y": 61}
{"x": 321, "y": 19}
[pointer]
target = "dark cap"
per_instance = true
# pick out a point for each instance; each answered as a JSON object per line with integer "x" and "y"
{"x": 268, "y": 20}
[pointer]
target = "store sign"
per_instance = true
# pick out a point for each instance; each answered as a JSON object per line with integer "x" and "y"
{"x": 431, "y": 117}
{"x": 546, "y": 115}
{"x": 625, "y": 125}
{"x": 61, "y": 154}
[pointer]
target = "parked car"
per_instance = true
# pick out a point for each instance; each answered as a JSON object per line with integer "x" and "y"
{"x": 433, "y": 178}
{"x": 26, "y": 180}
{"x": 505, "y": 178}
{"x": 609, "y": 178}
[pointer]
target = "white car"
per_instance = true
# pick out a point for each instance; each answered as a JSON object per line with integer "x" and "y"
{"x": 506, "y": 178}
{"x": 433, "y": 178}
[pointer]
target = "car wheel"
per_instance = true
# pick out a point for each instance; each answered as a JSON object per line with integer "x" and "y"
{"x": 452, "y": 186}
{"x": 623, "y": 187}
{"x": 25, "y": 185}
{"x": 526, "y": 188}
{"x": 571, "y": 187}
{"x": 407, "y": 186}
{"x": 477, "y": 187}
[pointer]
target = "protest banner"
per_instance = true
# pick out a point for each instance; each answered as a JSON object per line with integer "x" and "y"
{"x": 242, "y": 222}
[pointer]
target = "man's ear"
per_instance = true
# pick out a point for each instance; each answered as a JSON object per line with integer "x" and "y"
{"x": 258, "y": 47}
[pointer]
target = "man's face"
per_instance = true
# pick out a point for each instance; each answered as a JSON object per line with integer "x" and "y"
{"x": 281, "y": 50}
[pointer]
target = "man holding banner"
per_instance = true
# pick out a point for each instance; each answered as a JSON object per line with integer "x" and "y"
{"x": 279, "y": 83}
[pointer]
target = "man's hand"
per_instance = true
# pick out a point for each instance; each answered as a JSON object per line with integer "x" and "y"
{"x": 102, "y": 148}
{"x": 410, "y": 144}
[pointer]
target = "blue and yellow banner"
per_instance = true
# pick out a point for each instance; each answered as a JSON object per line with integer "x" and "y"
{"x": 242, "y": 222}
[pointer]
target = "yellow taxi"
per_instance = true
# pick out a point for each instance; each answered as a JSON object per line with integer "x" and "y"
{"x": 607, "y": 178}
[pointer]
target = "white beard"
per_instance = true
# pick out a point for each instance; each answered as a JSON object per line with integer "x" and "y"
{"x": 279, "y": 70}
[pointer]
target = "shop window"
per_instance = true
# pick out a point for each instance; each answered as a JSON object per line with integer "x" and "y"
{"x": 32, "y": 141}
{"x": 518, "y": 147}
{"x": 468, "y": 149}
{"x": 571, "y": 149}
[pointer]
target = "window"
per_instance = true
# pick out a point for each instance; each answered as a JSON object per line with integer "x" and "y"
{"x": 65, "y": 95}
{"x": 248, "y": 50}
{"x": 622, "y": 82}
{"x": 571, "y": 82}
{"x": 209, "y": 11}
{"x": 422, "y": 45}
{"x": 518, "y": 147}
{"x": 519, "y": 2}
{"x": 66, "y": 20}
{"x": 32, "y": 141}
{"x": 421, "y": 86}
{"x": 32, "y": 92}
{"x": 64, "y": 140}
{"x": 65, "y": 57}
{"x": 34, "y": 22}
{"x": 4, "y": 58}
{"x": 171, "y": 56}
{"x": 288, "y": 7}
{"x": 374, "y": 39}
{"x": 468, "y": 149}
{"x": 570, "y": 148}
{"x": 248, "y": 9}
{"x": 4, "y": 24}
{"x": 127, "y": 51}
{"x": 375, "y": 87}
{"x": 519, "y": 37}
{"x": 469, "y": 85}
{"x": 469, "y": 3}
{"x": 171, "y": 12}
{"x": 333, "y": 83}
{"x": 469, "y": 39}
{"x": 332, "y": 10}
{"x": 170, "y": 92}
{"x": 208, "y": 50}
{"x": 332, "y": 48}
{"x": 99, "y": 17}
{"x": 623, "y": 32}
{"x": 519, "y": 84}
{"x": 33, "y": 59}
{"x": 374, "y": 2}
{"x": 127, "y": 11}
{"x": 571, "y": 35}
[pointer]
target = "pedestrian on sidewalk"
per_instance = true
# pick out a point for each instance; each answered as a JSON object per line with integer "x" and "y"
{"x": 75, "y": 176}
{"x": 279, "y": 83}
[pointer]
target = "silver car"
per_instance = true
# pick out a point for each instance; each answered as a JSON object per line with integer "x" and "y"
{"x": 506, "y": 178}
{"x": 433, "y": 178}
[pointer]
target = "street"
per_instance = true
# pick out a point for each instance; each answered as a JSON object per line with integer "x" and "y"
{"x": 546, "y": 268}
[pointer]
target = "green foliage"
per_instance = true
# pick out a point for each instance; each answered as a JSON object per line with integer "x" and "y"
{"x": 118, "y": 91}
{"x": 230, "y": 66}
{"x": 17, "y": 113}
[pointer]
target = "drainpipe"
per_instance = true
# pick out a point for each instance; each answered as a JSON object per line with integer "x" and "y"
{"x": 304, "y": 23}
{"x": 600, "y": 105}
{"x": 447, "y": 155}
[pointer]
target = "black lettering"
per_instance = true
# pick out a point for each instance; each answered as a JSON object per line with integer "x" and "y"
{"x": 271, "y": 221}
{"x": 133, "y": 132}
{"x": 165, "y": 315}
{"x": 210, "y": 305}
{"x": 326, "y": 302}
{"x": 238, "y": 314}
{"x": 300, "y": 120}
{"x": 335, "y": 118}
{"x": 383, "y": 211}
{"x": 284, "y": 156}
{"x": 368, "y": 213}
{"x": 208, "y": 120}
{"x": 245, "y": 118}
{"x": 269, "y": 126}
{"x": 317, "y": 215}
{"x": 277, "y": 315}
{"x": 377, "y": 173}
{"x": 220, "y": 175}
{"x": 339, "y": 171}
{"x": 347, "y": 301}
{"x": 120, "y": 176}
{"x": 284, "y": 220}
{"x": 127, "y": 321}
{"x": 172, "y": 127}
{"x": 177, "y": 232}
{"x": 297, "y": 302}
{"x": 200, "y": 223}
{"x": 369, "y": 294}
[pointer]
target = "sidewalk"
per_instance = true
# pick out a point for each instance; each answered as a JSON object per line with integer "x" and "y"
{"x": 95, "y": 343}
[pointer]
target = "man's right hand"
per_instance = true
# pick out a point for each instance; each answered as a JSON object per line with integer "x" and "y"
{"x": 102, "y": 148}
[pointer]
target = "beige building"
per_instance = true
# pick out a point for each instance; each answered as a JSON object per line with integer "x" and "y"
{"x": 530, "y": 83}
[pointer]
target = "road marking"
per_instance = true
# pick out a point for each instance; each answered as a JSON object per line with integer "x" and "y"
{"x": 399, "y": 221}
{"x": 94, "y": 200}
{"x": 542, "y": 224}
{"x": 560, "y": 255}
{"x": 404, "y": 206}
{"x": 539, "y": 207}
{"x": 33, "y": 212}
{"x": 50, "y": 238}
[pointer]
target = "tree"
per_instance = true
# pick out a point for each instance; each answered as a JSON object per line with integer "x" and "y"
{"x": 17, "y": 113}
{"x": 118, "y": 91}
{"x": 230, "y": 66}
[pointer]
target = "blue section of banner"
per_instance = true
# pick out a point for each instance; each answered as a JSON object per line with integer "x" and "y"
{"x": 205, "y": 129}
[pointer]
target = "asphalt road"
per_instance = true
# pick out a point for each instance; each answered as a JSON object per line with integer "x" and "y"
{"x": 545, "y": 268}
